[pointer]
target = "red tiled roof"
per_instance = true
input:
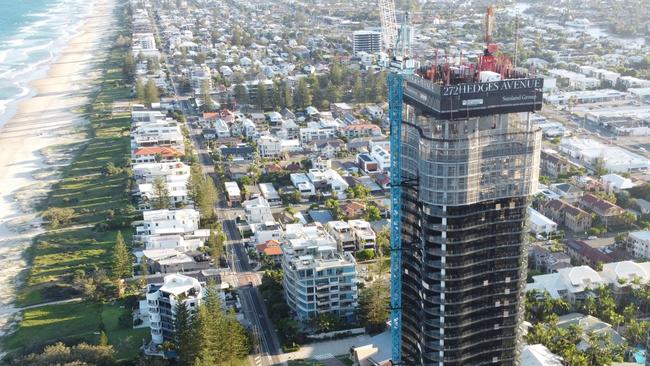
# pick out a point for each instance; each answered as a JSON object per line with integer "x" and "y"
{"x": 210, "y": 115}
{"x": 153, "y": 150}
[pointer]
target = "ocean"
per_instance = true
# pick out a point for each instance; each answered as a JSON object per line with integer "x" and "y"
{"x": 32, "y": 34}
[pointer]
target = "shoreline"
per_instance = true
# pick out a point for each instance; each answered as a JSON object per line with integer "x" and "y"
{"x": 39, "y": 139}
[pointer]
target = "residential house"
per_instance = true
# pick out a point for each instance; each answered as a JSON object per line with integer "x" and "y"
{"x": 608, "y": 213}
{"x": 553, "y": 164}
{"x": 583, "y": 253}
{"x": 373, "y": 112}
{"x": 342, "y": 233}
{"x": 303, "y": 184}
{"x": 271, "y": 249}
{"x": 639, "y": 243}
{"x": 257, "y": 210}
{"x": 148, "y": 172}
{"x": 540, "y": 224}
{"x": 563, "y": 213}
{"x": 367, "y": 163}
{"x": 233, "y": 194}
{"x": 546, "y": 261}
{"x": 353, "y": 209}
{"x": 614, "y": 183}
{"x": 381, "y": 156}
{"x": 566, "y": 191}
{"x": 155, "y": 154}
{"x": 269, "y": 147}
{"x": 270, "y": 194}
{"x": 328, "y": 148}
{"x": 360, "y": 130}
{"x": 263, "y": 232}
{"x": 340, "y": 109}
{"x": 241, "y": 152}
{"x": 364, "y": 236}
{"x": 571, "y": 284}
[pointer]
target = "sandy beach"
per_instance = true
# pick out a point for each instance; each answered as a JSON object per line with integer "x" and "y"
{"x": 40, "y": 138}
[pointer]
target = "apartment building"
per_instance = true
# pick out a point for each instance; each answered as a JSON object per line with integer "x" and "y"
{"x": 257, "y": 210}
{"x": 364, "y": 236}
{"x": 162, "y": 300}
{"x": 368, "y": 41}
{"x": 317, "y": 278}
{"x": 342, "y": 233}
{"x": 639, "y": 241}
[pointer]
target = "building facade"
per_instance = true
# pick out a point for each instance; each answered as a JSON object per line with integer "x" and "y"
{"x": 163, "y": 299}
{"x": 367, "y": 41}
{"x": 467, "y": 175}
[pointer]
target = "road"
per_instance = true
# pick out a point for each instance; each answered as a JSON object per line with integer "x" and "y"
{"x": 250, "y": 297}
{"x": 268, "y": 346}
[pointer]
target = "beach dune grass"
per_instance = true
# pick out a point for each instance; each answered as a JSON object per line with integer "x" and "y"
{"x": 56, "y": 255}
{"x": 73, "y": 323}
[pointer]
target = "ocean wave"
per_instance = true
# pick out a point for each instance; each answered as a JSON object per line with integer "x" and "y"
{"x": 26, "y": 54}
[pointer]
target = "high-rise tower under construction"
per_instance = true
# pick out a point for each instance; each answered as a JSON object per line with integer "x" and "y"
{"x": 469, "y": 159}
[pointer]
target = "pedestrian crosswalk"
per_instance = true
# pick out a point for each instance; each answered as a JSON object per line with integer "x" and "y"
{"x": 258, "y": 360}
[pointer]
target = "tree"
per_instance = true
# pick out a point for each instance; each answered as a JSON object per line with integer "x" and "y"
{"x": 383, "y": 241}
{"x": 207, "y": 198}
{"x": 215, "y": 242}
{"x": 302, "y": 97}
{"x": 206, "y": 98}
{"x": 58, "y": 216}
{"x": 103, "y": 338}
{"x": 122, "y": 266}
{"x": 241, "y": 94}
{"x": 544, "y": 180}
{"x": 184, "y": 333}
{"x": 287, "y": 96}
{"x": 128, "y": 67}
{"x": 365, "y": 254}
{"x": 151, "y": 93}
{"x": 60, "y": 354}
{"x": 372, "y": 213}
{"x": 262, "y": 96}
{"x": 160, "y": 196}
{"x": 139, "y": 91}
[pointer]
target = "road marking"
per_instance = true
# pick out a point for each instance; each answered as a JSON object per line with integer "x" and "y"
{"x": 324, "y": 356}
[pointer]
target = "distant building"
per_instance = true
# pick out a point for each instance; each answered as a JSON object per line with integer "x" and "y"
{"x": 368, "y": 41}
{"x": 343, "y": 235}
{"x": 233, "y": 193}
{"x": 639, "y": 241}
{"x": 540, "y": 224}
{"x": 539, "y": 355}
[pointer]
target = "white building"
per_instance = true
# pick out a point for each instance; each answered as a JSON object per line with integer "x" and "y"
{"x": 342, "y": 233}
{"x": 266, "y": 231}
{"x": 162, "y": 301}
{"x": 614, "y": 158}
{"x": 364, "y": 236}
{"x": 176, "y": 188}
{"x": 539, "y": 355}
{"x": 540, "y": 224}
{"x": 148, "y": 172}
{"x": 614, "y": 183}
{"x": 317, "y": 278}
{"x": 316, "y": 133}
{"x": 303, "y": 184}
{"x": 381, "y": 156}
{"x": 170, "y": 229}
{"x": 368, "y": 41}
{"x": 257, "y": 210}
{"x": 570, "y": 284}
{"x": 159, "y": 133}
{"x": 233, "y": 193}
{"x": 640, "y": 243}
{"x": 270, "y": 193}
{"x": 269, "y": 146}
{"x": 221, "y": 129}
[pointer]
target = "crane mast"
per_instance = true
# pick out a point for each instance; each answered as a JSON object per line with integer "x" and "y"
{"x": 388, "y": 24}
